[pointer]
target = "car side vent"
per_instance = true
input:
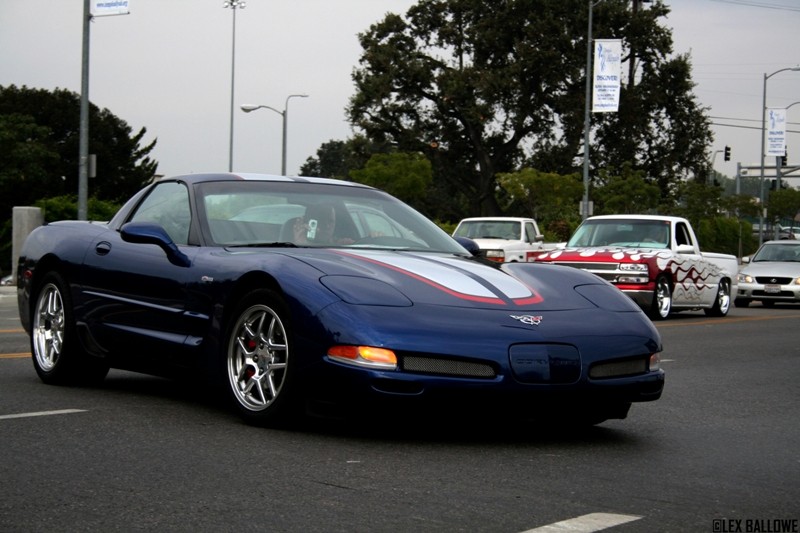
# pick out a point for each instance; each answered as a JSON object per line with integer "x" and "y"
{"x": 446, "y": 367}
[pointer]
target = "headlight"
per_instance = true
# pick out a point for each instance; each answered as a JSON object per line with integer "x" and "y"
{"x": 633, "y": 267}
{"x": 745, "y": 278}
{"x": 796, "y": 281}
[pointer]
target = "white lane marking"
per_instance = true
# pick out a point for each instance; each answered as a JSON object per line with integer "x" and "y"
{"x": 586, "y": 523}
{"x": 43, "y": 413}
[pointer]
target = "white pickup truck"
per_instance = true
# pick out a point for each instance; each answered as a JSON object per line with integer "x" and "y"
{"x": 655, "y": 260}
{"x": 503, "y": 239}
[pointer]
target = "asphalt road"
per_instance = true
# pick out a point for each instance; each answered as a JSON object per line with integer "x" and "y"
{"x": 718, "y": 453}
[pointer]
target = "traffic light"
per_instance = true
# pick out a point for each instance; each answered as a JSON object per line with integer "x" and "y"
{"x": 784, "y": 158}
{"x": 727, "y": 153}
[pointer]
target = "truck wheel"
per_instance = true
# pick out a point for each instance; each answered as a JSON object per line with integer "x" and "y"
{"x": 662, "y": 299}
{"x": 722, "y": 303}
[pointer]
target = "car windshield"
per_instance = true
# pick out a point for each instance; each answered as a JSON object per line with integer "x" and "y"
{"x": 273, "y": 213}
{"x": 622, "y": 232}
{"x": 489, "y": 229}
{"x": 778, "y": 252}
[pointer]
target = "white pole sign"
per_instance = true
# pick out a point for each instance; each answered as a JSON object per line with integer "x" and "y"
{"x": 105, "y": 8}
{"x": 606, "y": 76}
{"x": 776, "y": 132}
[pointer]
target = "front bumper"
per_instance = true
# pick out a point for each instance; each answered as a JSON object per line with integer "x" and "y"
{"x": 768, "y": 292}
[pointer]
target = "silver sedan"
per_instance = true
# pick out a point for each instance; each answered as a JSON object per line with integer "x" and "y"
{"x": 772, "y": 275}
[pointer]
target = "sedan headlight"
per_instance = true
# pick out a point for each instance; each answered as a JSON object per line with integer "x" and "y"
{"x": 745, "y": 278}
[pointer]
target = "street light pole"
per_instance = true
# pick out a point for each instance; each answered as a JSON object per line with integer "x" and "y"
{"x": 763, "y": 141}
{"x": 234, "y": 5}
{"x": 285, "y": 116}
{"x": 587, "y": 121}
{"x": 83, "y": 131}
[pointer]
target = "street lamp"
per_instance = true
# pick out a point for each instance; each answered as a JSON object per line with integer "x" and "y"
{"x": 763, "y": 140}
{"x": 587, "y": 122}
{"x": 285, "y": 114}
{"x": 234, "y": 5}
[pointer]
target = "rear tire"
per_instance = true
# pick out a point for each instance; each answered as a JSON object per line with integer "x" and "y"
{"x": 57, "y": 355}
{"x": 722, "y": 303}
{"x": 662, "y": 299}
{"x": 258, "y": 368}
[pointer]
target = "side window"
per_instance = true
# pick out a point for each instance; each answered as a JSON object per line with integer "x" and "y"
{"x": 167, "y": 205}
{"x": 681, "y": 235}
{"x": 530, "y": 234}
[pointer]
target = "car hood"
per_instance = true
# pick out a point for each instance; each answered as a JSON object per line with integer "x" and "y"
{"x": 783, "y": 269}
{"x": 378, "y": 277}
{"x": 493, "y": 243}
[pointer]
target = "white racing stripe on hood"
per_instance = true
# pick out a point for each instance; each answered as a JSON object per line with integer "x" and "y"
{"x": 453, "y": 274}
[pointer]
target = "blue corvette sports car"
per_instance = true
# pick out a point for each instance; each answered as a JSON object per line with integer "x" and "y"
{"x": 308, "y": 295}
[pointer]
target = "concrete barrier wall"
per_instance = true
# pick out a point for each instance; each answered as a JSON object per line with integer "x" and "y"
{"x": 24, "y": 221}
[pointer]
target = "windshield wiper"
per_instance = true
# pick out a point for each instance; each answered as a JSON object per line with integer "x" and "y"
{"x": 263, "y": 245}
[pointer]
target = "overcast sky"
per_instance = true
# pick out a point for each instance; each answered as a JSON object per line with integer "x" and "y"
{"x": 167, "y": 67}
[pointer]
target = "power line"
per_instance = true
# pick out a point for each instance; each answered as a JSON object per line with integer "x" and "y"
{"x": 753, "y": 3}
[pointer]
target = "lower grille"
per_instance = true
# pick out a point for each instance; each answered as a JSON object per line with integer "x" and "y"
{"x": 446, "y": 367}
{"x": 614, "y": 369}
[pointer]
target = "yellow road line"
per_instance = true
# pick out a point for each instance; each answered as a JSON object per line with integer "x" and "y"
{"x": 14, "y": 355}
{"x": 12, "y": 330}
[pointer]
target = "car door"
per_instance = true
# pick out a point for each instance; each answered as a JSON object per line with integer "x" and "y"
{"x": 134, "y": 297}
{"x": 694, "y": 283}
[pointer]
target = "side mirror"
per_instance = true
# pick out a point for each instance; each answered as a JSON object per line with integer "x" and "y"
{"x": 151, "y": 233}
{"x": 684, "y": 249}
{"x": 470, "y": 245}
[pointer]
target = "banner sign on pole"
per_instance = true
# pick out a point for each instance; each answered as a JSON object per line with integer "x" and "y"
{"x": 776, "y": 132}
{"x": 105, "y": 8}
{"x": 607, "y": 75}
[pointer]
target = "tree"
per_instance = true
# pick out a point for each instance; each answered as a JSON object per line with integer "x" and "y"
{"x": 335, "y": 159}
{"x": 39, "y": 138}
{"x": 545, "y": 196}
{"x": 629, "y": 192}
{"x": 404, "y": 175}
{"x": 123, "y": 166}
{"x": 486, "y": 88}
{"x": 784, "y": 203}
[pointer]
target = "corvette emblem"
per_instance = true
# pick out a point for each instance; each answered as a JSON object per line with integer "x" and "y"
{"x": 531, "y": 320}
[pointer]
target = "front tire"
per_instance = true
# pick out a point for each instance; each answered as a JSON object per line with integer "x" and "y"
{"x": 662, "y": 299}
{"x": 57, "y": 356}
{"x": 741, "y": 302}
{"x": 258, "y": 365}
{"x": 722, "y": 303}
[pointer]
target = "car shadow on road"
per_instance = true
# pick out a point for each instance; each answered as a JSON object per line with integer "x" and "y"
{"x": 412, "y": 426}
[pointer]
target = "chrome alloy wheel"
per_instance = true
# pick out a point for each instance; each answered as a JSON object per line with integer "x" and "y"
{"x": 724, "y": 297}
{"x": 257, "y": 357}
{"x": 663, "y": 298}
{"x": 49, "y": 324}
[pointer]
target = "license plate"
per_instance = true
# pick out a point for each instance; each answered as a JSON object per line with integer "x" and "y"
{"x": 772, "y": 289}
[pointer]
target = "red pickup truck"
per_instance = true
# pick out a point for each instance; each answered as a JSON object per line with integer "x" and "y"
{"x": 653, "y": 259}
